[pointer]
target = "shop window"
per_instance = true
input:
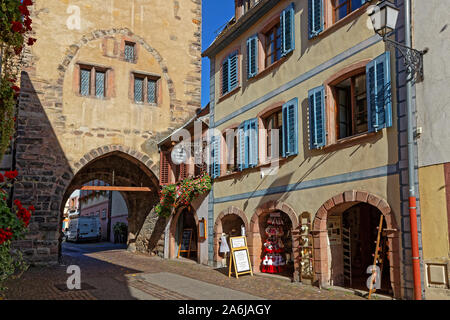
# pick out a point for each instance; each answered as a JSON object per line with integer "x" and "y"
{"x": 351, "y": 105}
{"x": 359, "y": 102}
{"x": 342, "y": 8}
{"x": 130, "y": 52}
{"x": 145, "y": 89}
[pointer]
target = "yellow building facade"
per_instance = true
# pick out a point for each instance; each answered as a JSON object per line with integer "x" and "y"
{"x": 314, "y": 59}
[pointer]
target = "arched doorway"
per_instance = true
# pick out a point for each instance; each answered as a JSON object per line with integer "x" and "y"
{"x": 271, "y": 237}
{"x": 229, "y": 223}
{"x": 185, "y": 218}
{"x": 117, "y": 168}
{"x": 344, "y": 230}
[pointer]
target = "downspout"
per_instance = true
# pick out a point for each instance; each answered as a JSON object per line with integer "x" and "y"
{"x": 411, "y": 166}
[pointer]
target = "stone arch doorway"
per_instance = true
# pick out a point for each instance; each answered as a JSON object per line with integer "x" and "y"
{"x": 344, "y": 203}
{"x": 229, "y": 222}
{"x": 257, "y": 230}
{"x": 185, "y": 217}
{"x": 118, "y": 168}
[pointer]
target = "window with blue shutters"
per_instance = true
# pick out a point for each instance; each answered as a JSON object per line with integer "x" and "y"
{"x": 252, "y": 127}
{"x": 317, "y": 127}
{"x": 315, "y": 17}
{"x": 287, "y": 23}
{"x": 252, "y": 56}
{"x": 230, "y": 73}
{"x": 247, "y": 138}
{"x": 290, "y": 128}
{"x": 379, "y": 105}
{"x": 215, "y": 156}
{"x": 85, "y": 82}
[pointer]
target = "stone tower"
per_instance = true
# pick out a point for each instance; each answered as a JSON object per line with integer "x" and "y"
{"x": 106, "y": 80}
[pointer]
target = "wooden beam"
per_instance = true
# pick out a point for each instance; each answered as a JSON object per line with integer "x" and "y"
{"x": 111, "y": 188}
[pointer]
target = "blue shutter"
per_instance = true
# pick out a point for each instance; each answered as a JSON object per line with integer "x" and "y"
{"x": 252, "y": 56}
{"x": 287, "y": 24}
{"x": 253, "y": 143}
{"x": 290, "y": 128}
{"x": 225, "y": 76}
{"x": 317, "y": 124}
{"x": 233, "y": 71}
{"x": 215, "y": 155}
{"x": 315, "y": 17}
{"x": 241, "y": 146}
{"x": 379, "y": 100}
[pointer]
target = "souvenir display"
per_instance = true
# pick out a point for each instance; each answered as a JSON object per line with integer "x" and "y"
{"x": 273, "y": 249}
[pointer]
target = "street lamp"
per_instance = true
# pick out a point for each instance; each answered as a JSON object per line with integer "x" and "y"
{"x": 384, "y": 19}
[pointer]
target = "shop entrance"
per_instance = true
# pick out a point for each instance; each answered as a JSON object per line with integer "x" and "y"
{"x": 186, "y": 221}
{"x": 232, "y": 226}
{"x": 276, "y": 252}
{"x": 352, "y": 237}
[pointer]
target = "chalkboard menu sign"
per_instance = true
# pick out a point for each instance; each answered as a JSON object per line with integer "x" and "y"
{"x": 185, "y": 245}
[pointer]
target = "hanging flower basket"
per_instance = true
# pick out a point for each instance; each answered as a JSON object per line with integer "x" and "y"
{"x": 182, "y": 194}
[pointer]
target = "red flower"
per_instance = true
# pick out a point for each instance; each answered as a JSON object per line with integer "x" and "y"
{"x": 17, "y": 26}
{"x": 27, "y": 3}
{"x": 32, "y": 208}
{"x": 5, "y": 235}
{"x": 11, "y": 174}
{"x": 24, "y": 10}
{"x": 16, "y": 89}
{"x": 17, "y": 50}
{"x": 17, "y": 203}
{"x": 2, "y": 178}
{"x": 31, "y": 41}
{"x": 27, "y": 23}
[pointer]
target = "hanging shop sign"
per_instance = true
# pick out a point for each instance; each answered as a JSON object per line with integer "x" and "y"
{"x": 240, "y": 258}
{"x": 334, "y": 229}
{"x": 185, "y": 245}
{"x": 202, "y": 234}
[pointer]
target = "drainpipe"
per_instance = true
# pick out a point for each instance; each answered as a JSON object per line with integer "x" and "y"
{"x": 411, "y": 167}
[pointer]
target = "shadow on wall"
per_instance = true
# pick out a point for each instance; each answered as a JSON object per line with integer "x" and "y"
{"x": 46, "y": 178}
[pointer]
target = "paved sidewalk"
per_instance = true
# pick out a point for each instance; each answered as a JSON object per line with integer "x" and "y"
{"x": 121, "y": 275}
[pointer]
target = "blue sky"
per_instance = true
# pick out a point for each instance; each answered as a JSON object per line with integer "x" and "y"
{"x": 216, "y": 13}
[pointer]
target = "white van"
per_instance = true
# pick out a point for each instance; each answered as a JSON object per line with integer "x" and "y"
{"x": 84, "y": 228}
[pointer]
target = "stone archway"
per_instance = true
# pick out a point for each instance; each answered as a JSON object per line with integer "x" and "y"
{"x": 120, "y": 168}
{"x": 342, "y": 201}
{"x": 173, "y": 231}
{"x": 255, "y": 242}
{"x": 218, "y": 227}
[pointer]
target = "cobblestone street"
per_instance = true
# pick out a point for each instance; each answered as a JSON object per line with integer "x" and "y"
{"x": 108, "y": 273}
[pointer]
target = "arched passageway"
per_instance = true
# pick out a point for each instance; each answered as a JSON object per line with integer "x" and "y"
{"x": 185, "y": 218}
{"x": 356, "y": 213}
{"x": 121, "y": 169}
{"x": 271, "y": 237}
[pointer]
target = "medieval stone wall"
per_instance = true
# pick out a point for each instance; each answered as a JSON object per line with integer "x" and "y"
{"x": 60, "y": 133}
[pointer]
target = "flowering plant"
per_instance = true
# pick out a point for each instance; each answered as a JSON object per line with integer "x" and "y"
{"x": 13, "y": 225}
{"x": 183, "y": 193}
{"x": 15, "y": 26}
